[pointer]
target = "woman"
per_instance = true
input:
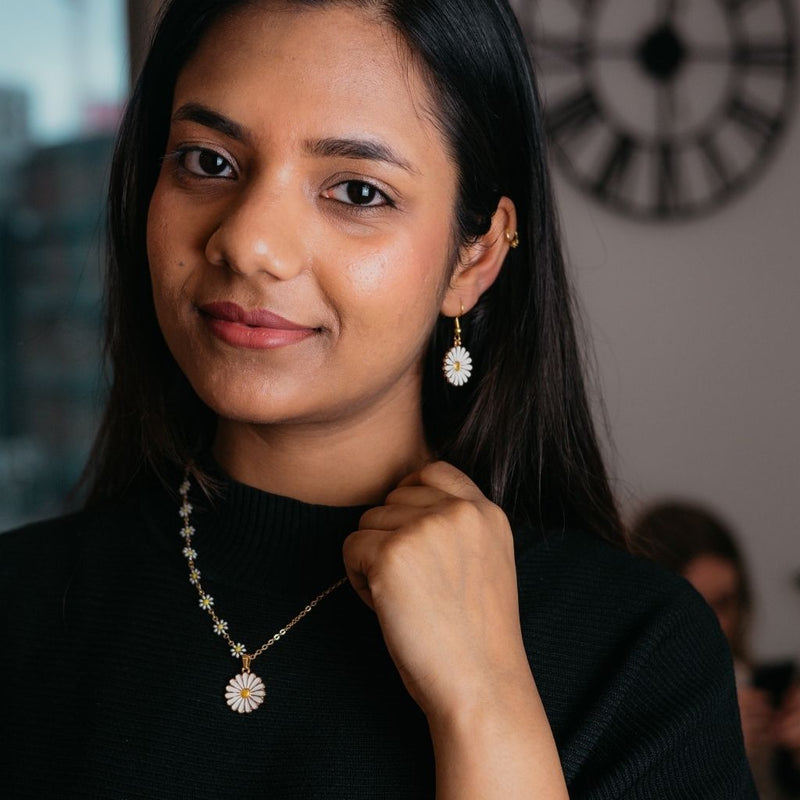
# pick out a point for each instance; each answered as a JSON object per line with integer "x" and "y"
{"x": 694, "y": 542}
{"x": 311, "y": 203}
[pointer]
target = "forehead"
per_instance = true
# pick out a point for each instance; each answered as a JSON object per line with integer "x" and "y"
{"x": 303, "y": 66}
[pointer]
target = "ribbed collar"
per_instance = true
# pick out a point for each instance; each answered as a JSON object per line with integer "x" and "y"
{"x": 259, "y": 541}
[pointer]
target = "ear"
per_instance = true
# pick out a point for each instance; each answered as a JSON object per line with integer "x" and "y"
{"x": 479, "y": 262}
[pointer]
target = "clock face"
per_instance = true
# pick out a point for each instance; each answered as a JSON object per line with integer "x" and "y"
{"x": 663, "y": 109}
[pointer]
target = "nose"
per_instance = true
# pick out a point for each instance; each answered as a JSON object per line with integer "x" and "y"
{"x": 257, "y": 233}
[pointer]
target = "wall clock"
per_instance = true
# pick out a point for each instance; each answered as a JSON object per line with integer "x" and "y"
{"x": 663, "y": 109}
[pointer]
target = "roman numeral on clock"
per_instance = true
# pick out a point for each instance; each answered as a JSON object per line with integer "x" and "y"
{"x": 712, "y": 155}
{"x": 754, "y": 121}
{"x": 573, "y": 115}
{"x": 616, "y": 166}
{"x": 668, "y": 184}
{"x": 765, "y": 55}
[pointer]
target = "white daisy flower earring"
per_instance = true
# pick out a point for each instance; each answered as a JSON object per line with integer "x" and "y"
{"x": 457, "y": 366}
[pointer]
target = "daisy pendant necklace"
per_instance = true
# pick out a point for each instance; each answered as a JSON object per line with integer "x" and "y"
{"x": 245, "y": 692}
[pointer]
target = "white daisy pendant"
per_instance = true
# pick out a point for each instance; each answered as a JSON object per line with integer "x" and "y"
{"x": 245, "y": 693}
{"x": 457, "y": 365}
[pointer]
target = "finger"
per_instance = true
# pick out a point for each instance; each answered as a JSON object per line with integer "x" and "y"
{"x": 415, "y": 495}
{"x": 391, "y": 518}
{"x": 444, "y": 476}
{"x": 360, "y": 552}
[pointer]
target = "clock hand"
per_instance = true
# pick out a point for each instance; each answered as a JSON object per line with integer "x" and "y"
{"x": 666, "y": 109}
{"x": 667, "y": 10}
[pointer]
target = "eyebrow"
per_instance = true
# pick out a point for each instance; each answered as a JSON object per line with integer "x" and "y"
{"x": 359, "y": 149}
{"x": 202, "y": 115}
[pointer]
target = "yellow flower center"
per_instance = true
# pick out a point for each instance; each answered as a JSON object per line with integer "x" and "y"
{"x": 457, "y": 366}
{"x": 244, "y": 693}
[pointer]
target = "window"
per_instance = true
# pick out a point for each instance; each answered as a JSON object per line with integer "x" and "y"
{"x": 63, "y": 80}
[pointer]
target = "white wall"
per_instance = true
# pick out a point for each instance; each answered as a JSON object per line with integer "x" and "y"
{"x": 697, "y": 332}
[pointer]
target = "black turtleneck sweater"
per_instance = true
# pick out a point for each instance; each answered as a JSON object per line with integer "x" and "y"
{"x": 112, "y": 680}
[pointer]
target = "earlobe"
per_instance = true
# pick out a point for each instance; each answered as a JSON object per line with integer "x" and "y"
{"x": 480, "y": 262}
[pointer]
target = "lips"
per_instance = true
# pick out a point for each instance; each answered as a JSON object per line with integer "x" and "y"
{"x": 257, "y": 329}
{"x": 259, "y": 318}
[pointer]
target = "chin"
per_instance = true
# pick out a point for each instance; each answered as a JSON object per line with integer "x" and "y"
{"x": 254, "y": 404}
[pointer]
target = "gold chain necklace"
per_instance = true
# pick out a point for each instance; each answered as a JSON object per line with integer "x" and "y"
{"x": 246, "y": 691}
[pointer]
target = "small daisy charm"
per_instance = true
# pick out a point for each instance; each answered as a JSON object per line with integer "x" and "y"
{"x": 245, "y": 693}
{"x": 457, "y": 366}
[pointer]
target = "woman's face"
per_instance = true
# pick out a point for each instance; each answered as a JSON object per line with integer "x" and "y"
{"x": 300, "y": 230}
{"x": 717, "y": 580}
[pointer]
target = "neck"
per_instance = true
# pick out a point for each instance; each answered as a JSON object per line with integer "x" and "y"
{"x": 336, "y": 465}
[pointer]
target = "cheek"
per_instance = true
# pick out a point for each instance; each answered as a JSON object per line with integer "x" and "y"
{"x": 166, "y": 263}
{"x": 394, "y": 292}
{"x": 409, "y": 270}
{"x": 367, "y": 276}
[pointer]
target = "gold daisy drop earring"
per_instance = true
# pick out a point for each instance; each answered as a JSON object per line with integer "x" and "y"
{"x": 457, "y": 366}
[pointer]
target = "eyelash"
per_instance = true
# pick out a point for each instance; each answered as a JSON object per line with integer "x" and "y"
{"x": 386, "y": 201}
{"x": 182, "y": 154}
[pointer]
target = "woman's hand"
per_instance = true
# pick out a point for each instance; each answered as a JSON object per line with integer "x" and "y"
{"x": 436, "y": 564}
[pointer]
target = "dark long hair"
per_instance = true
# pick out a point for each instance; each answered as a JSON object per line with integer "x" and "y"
{"x": 522, "y": 428}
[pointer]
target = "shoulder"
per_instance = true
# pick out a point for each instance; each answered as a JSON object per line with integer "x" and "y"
{"x": 575, "y": 581}
{"x": 40, "y": 547}
{"x": 575, "y": 569}
{"x": 38, "y": 561}
{"x": 633, "y": 669}
{"x": 47, "y": 540}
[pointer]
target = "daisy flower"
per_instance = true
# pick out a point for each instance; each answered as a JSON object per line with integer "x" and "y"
{"x": 457, "y": 366}
{"x": 185, "y": 510}
{"x": 194, "y": 576}
{"x": 238, "y": 650}
{"x": 187, "y": 531}
{"x": 190, "y": 552}
{"x": 220, "y": 627}
{"x": 245, "y": 693}
{"x": 206, "y": 601}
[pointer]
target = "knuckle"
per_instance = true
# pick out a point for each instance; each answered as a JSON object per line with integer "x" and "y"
{"x": 350, "y": 546}
{"x": 464, "y": 512}
{"x": 396, "y": 552}
{"x": 396, "y": 495}
{"x": 366, "y": 518}
{"x": 435, "y": 470}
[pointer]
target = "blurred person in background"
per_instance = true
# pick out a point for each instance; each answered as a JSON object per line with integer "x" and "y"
{"x": 694, "y": 542}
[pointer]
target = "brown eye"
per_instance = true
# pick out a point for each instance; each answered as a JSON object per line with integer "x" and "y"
{"x": 358, "y": 193}
{"x": 361, "y": 193}
{"x": 206, "y": 163}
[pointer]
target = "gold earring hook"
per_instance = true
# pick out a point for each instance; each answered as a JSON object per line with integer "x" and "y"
{"x": 457, "y": 335}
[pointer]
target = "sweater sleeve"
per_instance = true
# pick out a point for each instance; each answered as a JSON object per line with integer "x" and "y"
{"x": 666, "y": 724}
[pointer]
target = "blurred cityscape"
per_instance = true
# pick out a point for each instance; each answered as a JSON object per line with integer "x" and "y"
{"x": 51, "y": 251}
